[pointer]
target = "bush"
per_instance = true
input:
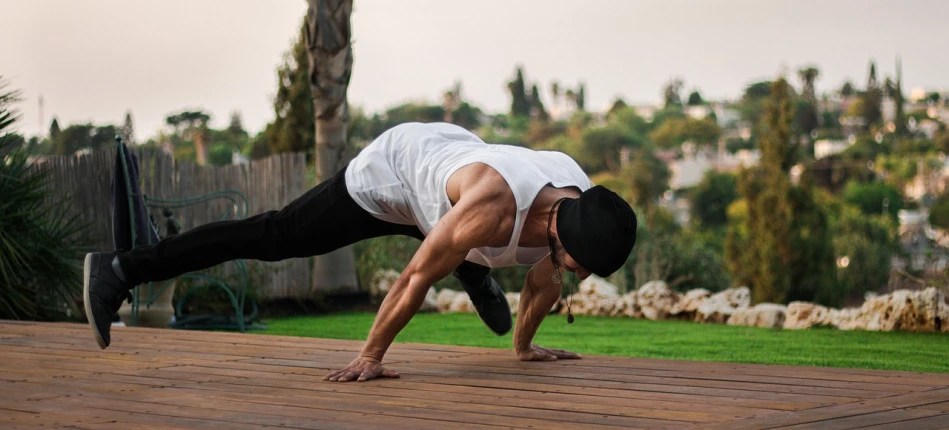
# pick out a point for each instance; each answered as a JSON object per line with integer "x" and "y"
{"x": 41, "y": 246}
{"x": 683, "y": 262}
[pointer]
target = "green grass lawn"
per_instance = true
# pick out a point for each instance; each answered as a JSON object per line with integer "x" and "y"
{"x": 658, "y": 339}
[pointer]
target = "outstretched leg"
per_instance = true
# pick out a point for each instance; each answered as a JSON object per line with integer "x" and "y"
{"x": 324, "y": 219}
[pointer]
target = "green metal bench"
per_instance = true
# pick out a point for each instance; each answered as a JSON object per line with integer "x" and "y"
{"x": 236, "y": 292}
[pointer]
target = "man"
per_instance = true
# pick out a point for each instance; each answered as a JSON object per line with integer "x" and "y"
{"x": 474, "y": 206}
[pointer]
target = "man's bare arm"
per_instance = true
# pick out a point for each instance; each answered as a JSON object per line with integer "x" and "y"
{"x": 537, "y": 297}
{"x": 465, "y": 226}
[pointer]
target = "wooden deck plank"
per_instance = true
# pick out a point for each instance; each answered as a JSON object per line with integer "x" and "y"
{"x": 745, "y": 370}
{"x": 54, "y": 375}
{"x": 822, "y": 414}
{"x": 874, "y": 418}
{"x": 940, "y": 406}
{"x": 936, "y": 422}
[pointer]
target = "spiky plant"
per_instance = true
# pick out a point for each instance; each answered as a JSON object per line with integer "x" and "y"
{"x": 41, "y": 245}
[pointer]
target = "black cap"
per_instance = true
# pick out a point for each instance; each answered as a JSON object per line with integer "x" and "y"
{"x": 598, "y": 230}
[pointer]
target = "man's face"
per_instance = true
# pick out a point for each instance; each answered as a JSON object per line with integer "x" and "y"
{"x": 571, "y": 265}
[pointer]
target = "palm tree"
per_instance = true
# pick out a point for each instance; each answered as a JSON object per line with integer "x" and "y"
{"x": 808, "y": 76}
{"x": 451, "y": 100}
{"x": 330, "y": 55}
{"x": 195, "y": 125}
{"x": 42, "y": 241}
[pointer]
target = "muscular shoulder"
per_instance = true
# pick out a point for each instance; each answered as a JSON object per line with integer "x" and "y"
{"x": 486, "y": 199}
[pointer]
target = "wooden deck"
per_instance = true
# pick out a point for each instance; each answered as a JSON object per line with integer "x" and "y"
{"x": 53, "y": 375}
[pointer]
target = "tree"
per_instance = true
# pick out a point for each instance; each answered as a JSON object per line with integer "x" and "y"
{"x": 939, "y": 214}
{"x": 695, "y": 99}
{"x": 128, "y": 130}
{"x": 54, "y": 130}
{"x": 863, "y": 245}
{"x": 73, "y": 138}
{"x": 537, "y": 106}
{"x": 41, "y": 240}
{"x": 628, "y": 118}
{"x": 648, "y": 178}
{"x": 900, "y": 117}
{"x": 555, "y": 94}
{"x": 873, "y": 98}
{"x": 293, "y": 127}
{"x": 671, "y": 93}
{"x": 874, "y": 198}
{"x": 808, "y": 76}
{"x": 193, "y": 125}
{"x": 846, "y": 90}
{"x": 806, "y": 113}
{"x": 778, "y": 243}
{"x": 758, "y": 90}
{"x": 581, "y": 97}
{"x": 675, "y": 131}
{"x": 236, "y": 125}
{"x": 451, "y": 101}
{"x": 711, "y": 198}
{"x": 601, "y": 147}
{"x": 520, "y": 103}
{"x": 330, "y": 59}
{"x": 618, "y": 105}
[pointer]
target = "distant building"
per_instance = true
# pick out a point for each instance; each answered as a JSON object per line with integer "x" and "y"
{"x": 826, "y": 147}
{"x": 698, "y": 112}
{"x": 237, "y": 158}
{"x": 648, "y": 112}
{"x": 688, "y": 172}
{"x": 726, "y": 117}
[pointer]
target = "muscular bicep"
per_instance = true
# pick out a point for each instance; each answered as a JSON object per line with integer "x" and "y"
{"x": 464, "y": 227}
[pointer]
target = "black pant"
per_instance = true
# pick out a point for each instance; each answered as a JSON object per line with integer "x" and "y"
{"x": 322, "y": 220}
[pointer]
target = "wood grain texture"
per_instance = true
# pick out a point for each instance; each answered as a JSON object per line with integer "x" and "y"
{"x": 53, "y": 375}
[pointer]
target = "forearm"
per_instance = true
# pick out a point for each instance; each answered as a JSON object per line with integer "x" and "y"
{"x": 401, "y": 303}
{"x": 535, "y": 304}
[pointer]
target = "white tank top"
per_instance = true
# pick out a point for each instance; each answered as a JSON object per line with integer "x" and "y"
{"x": 402, "y": 177}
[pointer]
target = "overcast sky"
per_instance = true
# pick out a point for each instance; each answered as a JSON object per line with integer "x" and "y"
{"x": 93, "y": 60}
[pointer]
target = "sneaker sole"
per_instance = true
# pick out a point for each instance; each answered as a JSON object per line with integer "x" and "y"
{"x": 489, "y": 327}
{"x": 86, "y": 275}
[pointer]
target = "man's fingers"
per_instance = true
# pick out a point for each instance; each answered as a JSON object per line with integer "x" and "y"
{"x": 390, "y": 373}
{"x": 334, "y": 375}
{"x": 348, "y": 375}
{"x": 541, "y": 355}
{"x": 365, "y": 376}
{"x": 565, "y": 354}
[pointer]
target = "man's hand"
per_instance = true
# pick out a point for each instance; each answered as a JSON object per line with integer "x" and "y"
{"x": 539, "y": 353}
{"x": 361, "y": 369}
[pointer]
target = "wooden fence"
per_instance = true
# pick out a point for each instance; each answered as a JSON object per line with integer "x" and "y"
{"x": 268, "y": 184}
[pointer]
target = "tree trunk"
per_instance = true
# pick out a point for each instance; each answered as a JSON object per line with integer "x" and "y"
{"x": 201, "y": 145}
{"x": 330, "y": 56}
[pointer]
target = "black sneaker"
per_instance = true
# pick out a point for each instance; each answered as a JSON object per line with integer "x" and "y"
{"x": 488, "y": 299}
{"x": 102, "y": 293}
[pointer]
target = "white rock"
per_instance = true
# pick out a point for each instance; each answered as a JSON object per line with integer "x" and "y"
{"x": 444, "y": 299}
{"x": 430, "y": 304}
{"x": 462, "y": 303}
{"x": 382, "y": 281}
{"x": 513, "y": 300}
{"x": 906, "y": 310}
{"x": 656, "y": 300}
{"x": 761, "y": 315}
{"x": 722, "y": 305}
{"x": 627, "y": 305}
{"x": 689, "y": 304}
{"x": 599, "y": 287}
{"x": 595, "y": 296}
{"x": 801, "y": 315}
{"x": 844, "y": 319}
